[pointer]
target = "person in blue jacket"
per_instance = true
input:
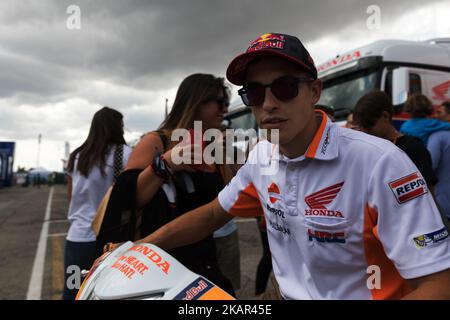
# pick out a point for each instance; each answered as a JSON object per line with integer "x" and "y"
{"x": 420, "y": 108}
{"x": 439, "y": 147}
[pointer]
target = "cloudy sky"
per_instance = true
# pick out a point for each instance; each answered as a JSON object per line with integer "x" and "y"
{"x": 131, "y": 55}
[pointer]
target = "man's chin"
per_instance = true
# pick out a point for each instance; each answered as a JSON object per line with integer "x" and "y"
{"x": 275, "y": 136}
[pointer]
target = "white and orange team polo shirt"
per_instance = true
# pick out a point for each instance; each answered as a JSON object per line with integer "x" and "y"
{"x": 350, "y": 219}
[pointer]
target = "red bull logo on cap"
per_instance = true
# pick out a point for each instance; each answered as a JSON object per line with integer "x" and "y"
{"x": 267, "y": 37}
{"x": 267, "y": 40}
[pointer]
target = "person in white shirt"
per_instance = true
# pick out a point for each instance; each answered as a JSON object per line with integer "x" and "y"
{"x": 348, "y": 215}
{"x": 90, "y": 173}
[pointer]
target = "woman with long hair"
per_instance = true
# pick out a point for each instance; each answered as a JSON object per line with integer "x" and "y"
{"x": 90, "y": 173}
{"x": 200, "y": 97}
{"x": 157, "y": 190}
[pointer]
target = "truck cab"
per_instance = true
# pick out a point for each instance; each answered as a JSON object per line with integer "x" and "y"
{"x": 396, "y": 67}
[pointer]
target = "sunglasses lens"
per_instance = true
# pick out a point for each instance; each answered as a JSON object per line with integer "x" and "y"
{"x": 285, "y": 88}
{"x": 253, "y": 94}
{"x": 244, "y": 98}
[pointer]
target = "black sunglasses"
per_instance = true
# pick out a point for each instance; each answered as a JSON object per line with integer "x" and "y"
{"x": 284, "y": 88}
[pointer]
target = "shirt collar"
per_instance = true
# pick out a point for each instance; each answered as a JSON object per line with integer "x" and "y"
{"x": 323, "y": 145}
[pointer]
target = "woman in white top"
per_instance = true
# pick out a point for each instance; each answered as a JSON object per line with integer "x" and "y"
{"x": 90, "y": 173}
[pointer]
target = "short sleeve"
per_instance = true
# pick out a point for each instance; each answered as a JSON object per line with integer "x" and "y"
{"x": 409, "y": 224}
{"x": 240, "y": 197}
{"x": 126, "y": 154}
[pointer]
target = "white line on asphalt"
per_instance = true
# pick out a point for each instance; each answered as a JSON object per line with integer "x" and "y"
{"x": 37, "y": 275}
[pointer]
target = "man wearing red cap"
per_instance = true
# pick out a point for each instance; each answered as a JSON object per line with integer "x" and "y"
{"x": 348, "y": 215}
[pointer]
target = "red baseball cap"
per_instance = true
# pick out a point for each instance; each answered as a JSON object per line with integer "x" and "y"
{"x": 271, "y": 44}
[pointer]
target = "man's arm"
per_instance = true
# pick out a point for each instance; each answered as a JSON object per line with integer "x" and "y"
{"x": 190, "y": 227}
{"x": 402, "y": 223}
{"x": 435, "y": 286}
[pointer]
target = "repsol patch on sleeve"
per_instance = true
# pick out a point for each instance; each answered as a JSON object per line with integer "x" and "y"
{"x": 408, "y": 187}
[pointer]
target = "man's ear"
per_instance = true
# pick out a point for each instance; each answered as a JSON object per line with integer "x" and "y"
{"x": 316, "y": 90}
{"x": 386, "y": 116}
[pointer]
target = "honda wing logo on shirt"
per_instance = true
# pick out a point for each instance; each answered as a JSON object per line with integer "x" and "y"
{"x": 317, "y": 201}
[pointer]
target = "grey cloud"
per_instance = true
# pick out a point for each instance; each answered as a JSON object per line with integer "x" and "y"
{"x": 141, "y": 50}
{"x": 142, "y": 119}
{"x": 151, "y": 45}
{"x": 24, "y": 75}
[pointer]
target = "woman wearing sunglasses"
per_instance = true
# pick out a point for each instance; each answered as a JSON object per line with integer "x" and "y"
{"x": 157, "y": 190}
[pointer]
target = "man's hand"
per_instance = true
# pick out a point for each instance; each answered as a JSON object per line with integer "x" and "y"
{"x": 190, "y": 227}
{"x": 111, "y": 246}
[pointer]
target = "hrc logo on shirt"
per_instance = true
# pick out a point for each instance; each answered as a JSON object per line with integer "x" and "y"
{"x": 326, "y": 237}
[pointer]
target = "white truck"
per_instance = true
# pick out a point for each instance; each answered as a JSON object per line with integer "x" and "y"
{"x": 397, "y": 67}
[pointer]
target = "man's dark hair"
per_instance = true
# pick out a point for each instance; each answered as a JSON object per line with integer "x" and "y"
{"x": 418, "y": 106}
{"x": 370, "y": 107}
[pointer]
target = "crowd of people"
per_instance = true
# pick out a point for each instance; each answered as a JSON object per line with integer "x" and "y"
{"x": 341, "y": 200}
{"x": 425, "y": 140}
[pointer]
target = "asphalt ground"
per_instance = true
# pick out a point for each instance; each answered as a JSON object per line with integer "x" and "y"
{"x": 33, "y": 226}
